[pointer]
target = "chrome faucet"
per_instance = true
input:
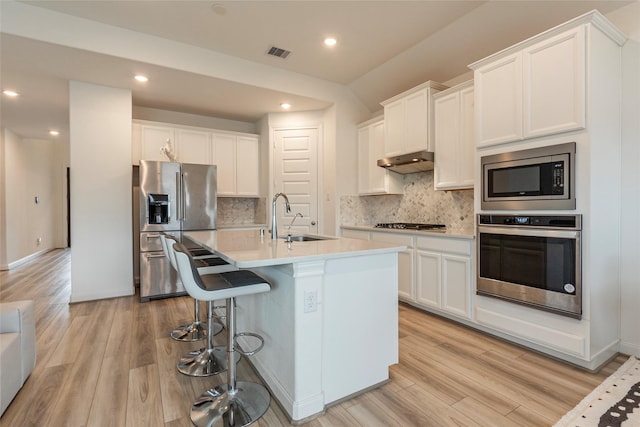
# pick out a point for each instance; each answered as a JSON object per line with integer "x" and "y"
{"x": 290, "y": 225}
{"x": 287, "y": 206}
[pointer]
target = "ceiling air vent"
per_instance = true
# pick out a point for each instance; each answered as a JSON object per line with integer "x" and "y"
{"x": 278, "y": 52}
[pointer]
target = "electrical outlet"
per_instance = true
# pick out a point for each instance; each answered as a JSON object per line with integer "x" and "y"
{"x": 310, "y": 301}
{"x": 39, "y": 241}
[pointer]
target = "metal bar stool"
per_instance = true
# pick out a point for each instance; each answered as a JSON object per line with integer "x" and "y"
{"x": 236, "y": 403}
{"x": 209, "y": 360}
{"x": 196, "y": 330}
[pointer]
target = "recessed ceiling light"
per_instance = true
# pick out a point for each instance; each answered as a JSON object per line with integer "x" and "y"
{"x": 10, "y": 93}
{"x": 285, "y": 105}
{"x": 141, "y": 78}
{"x": 219, "y": 9}
{"x": 54, "y": 132}
{"x": 330, "y": 41}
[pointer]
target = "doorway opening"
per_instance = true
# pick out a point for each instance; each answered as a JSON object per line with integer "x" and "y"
{"x": 68, "y": 207}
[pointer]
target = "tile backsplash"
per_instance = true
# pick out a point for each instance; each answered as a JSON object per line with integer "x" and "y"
{"x": 419, "y": 203}
{"x": 238, "y": 210}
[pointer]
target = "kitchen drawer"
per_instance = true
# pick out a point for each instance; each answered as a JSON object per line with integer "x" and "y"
{"x": 398, "y": 239}
{"x": 150, "y": 241}
{"x": 355, "y": 234}
{"x": 443, "y": 244}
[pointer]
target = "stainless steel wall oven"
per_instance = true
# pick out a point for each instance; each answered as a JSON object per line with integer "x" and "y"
{"x": 531, "y": 259}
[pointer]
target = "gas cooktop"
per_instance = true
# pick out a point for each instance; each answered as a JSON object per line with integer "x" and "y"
{"x": 410, "y": 226}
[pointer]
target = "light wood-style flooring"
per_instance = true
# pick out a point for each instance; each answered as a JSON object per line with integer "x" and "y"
{"x": 112, "y": 363}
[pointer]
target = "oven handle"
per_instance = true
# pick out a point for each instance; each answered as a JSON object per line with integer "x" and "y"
{"x": 521, "y": 231}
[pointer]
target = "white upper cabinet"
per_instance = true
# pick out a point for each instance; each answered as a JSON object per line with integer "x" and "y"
{"x": 407, "y": 119}
{"x": 554, "y": 84}
{"x": 194, "y": 146}
{"x": 236, "y": 155}
{"x": 248, "y": 166}
{"x": 152, "y": 138}
{"x": 535, "y": 91}
{"x": 373, "y": 179}
{"x": 237, "y": 158}
{"x": 498, "y": 88}
{"x": 453, "y": 127}
{"x": 224, "y": 157}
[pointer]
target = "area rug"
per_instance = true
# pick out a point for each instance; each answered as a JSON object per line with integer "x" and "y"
{"x": 614, "y": 403}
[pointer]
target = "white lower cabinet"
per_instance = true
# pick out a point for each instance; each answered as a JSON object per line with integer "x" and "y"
{"x": 406, "y": 276}
{"x": 434, "y": 273}
{"x": 443, "y": 274}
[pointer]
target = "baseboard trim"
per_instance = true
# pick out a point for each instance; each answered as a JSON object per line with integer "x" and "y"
{"x": 26, "y": 259}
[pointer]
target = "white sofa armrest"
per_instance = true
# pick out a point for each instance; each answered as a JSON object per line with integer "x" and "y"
{"x": 20, "y": 317}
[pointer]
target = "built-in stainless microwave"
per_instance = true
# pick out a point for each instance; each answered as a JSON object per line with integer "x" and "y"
{"x": 534, "y": 179}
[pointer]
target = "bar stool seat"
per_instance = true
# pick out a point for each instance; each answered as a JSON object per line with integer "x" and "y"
{"x": 236, "y": 403}
{"x": 207, "y": 263}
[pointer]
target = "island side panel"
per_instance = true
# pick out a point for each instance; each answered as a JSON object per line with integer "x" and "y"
{"x": 312, "y": 358}
{"x": 360, "y": 331}
{"x": 291, "y": 361}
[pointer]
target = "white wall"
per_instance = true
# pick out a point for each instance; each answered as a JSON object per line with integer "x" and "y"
{"x": 100, "y": 152}
{"x": 165, "y": 116}
{"x": 3, "y": 211}
{"x": 32, "y": 168}
{"x": 630, "y": 218}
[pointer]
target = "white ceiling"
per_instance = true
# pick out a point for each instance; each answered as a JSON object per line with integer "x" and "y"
{"x": 384, "y": 47}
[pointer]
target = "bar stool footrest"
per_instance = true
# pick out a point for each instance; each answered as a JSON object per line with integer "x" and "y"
{"x": 248, "y": 334}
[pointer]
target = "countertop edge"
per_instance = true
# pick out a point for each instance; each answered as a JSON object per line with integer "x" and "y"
{"x": 280, "y": 253}
{"x": 240, "y": 226}
{"x": 458, "y": 234}
{"x": 314, "y": 258}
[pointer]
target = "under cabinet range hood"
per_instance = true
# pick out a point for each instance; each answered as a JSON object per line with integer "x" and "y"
{"x": 420, "y": 161}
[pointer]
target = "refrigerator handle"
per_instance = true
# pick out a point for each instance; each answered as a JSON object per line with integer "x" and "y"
{"x": 178, "y": 197}
{"x": 180, "y": 185}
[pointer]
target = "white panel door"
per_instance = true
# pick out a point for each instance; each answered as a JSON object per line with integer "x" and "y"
{"x": 296, "y": 175}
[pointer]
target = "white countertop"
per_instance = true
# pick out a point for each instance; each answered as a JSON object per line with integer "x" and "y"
{"x": 241, "y": 225}
{"x": 246, "y": 249}
{"x": 462, "y": 234}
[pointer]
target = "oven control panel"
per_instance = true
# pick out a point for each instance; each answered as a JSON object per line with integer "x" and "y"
{"x": 554, "y": 221}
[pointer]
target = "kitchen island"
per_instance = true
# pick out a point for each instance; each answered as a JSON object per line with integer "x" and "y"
{"x": 330, "y": 322}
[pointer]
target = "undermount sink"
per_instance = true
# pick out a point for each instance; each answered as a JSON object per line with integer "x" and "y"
{"x": 307, "y": 238}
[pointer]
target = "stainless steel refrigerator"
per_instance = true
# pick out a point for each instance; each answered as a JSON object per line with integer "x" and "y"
{"x": 173, "y": 198}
